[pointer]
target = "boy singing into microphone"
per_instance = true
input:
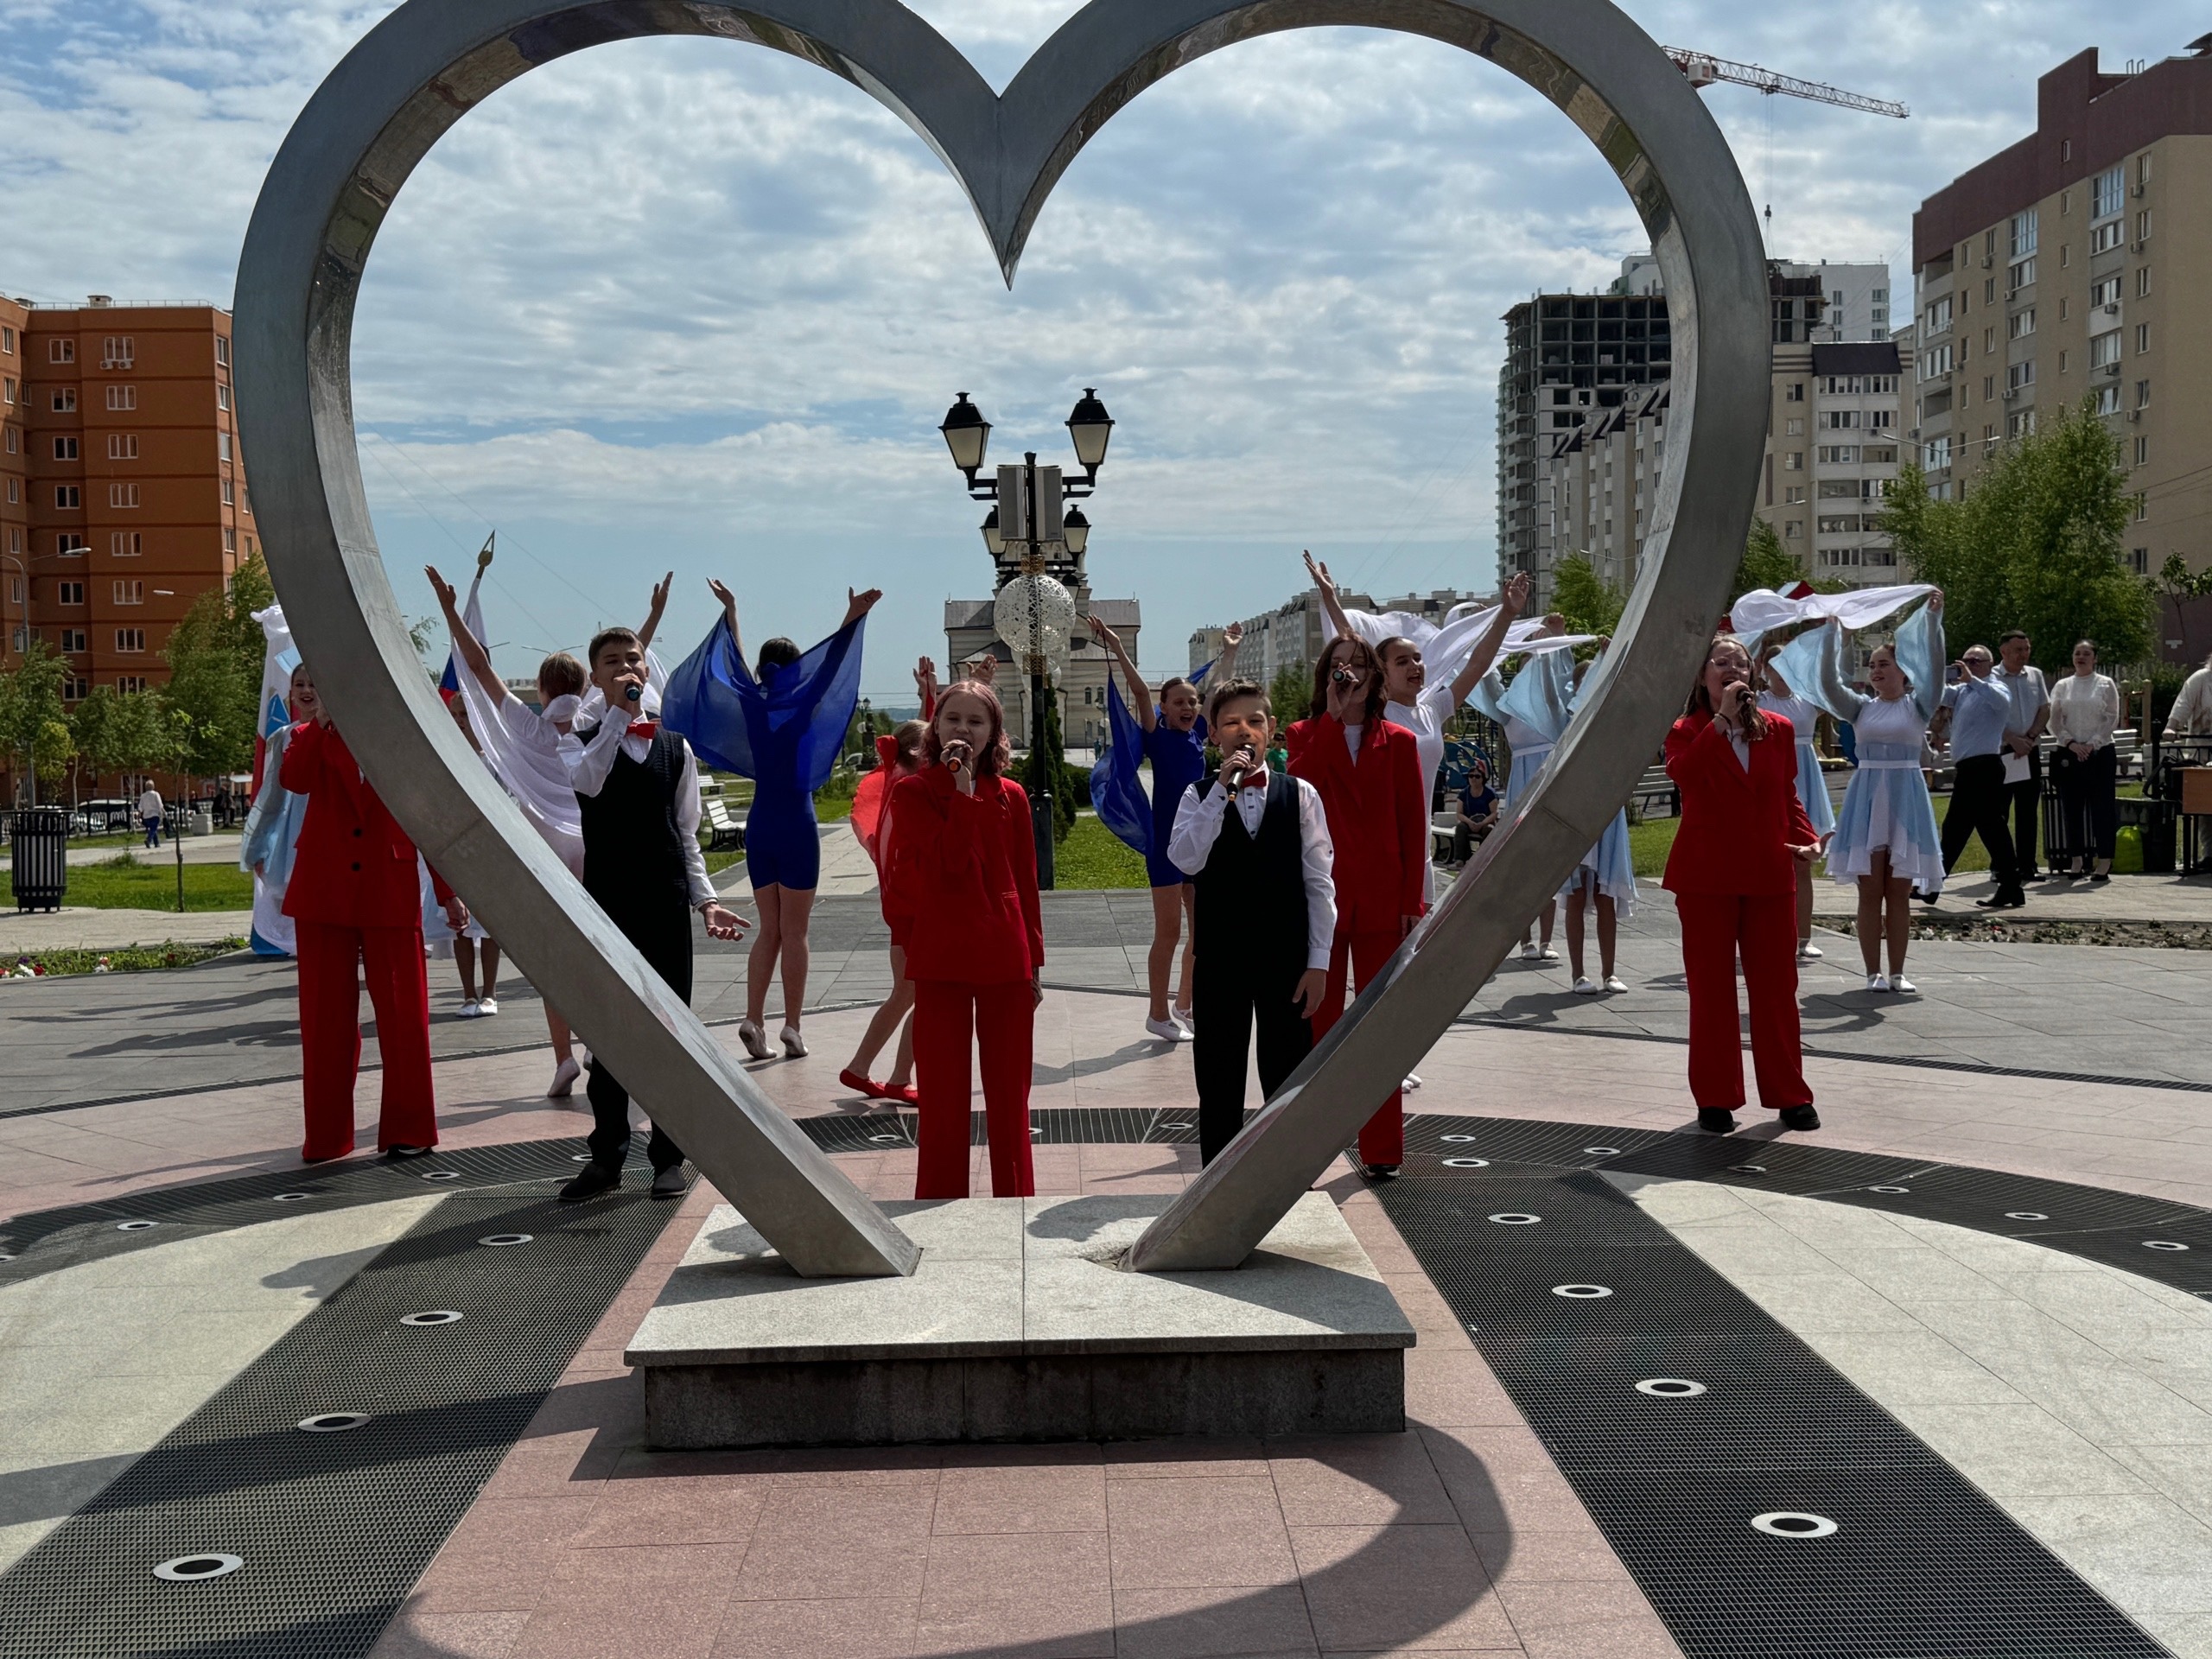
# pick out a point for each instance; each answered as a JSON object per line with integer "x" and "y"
{"x": 1254, "y": 842}
{"x": 638, "y": 789}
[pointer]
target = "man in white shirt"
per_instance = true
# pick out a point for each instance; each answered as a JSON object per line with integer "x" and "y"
{"x": 2191, "y": 715}
{"x": 1264, "y": 912}
{"x": 2030, "y": 695}
{"x": 149, "y": 814}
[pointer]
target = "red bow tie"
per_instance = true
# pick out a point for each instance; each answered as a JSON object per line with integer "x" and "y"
{"x": 1253, "y": 780}
{"x": 648, "y": 729}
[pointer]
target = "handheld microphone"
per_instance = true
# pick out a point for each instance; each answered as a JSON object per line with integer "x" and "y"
{"x": 633, "y": 692}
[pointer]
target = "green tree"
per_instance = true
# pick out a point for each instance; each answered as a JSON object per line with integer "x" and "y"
{"x": 215, "y": 656}
{"x": 1290, "y": 694}
{"x": 2038, "y": 544}
{"x": 1586, "y": 599}
{"x": 30, "y": 704}
{"x": 1766, "y": 563}
{"x": 1052, "y": 762}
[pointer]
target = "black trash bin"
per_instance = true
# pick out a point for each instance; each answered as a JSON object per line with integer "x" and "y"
{"x": 40, "y": 872}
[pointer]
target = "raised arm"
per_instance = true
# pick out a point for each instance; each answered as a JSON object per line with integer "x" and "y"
{"x": 1139, "y": 693}
{"x": 653, "y": 614}
{"x": 467, "y": 645}
{"x": 1330, "y": 602}
{"x": 729, "y": 614}
{"x": 1511, "y": 603}
{"x": 1232, "y": 636}
{"x": 1920, "y": 653}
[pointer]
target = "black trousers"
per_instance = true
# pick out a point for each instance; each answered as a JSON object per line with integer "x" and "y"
{"x": 2027, "y": 814}
{"x": 1978, "y": 800}
{"x": 660, "y": 926}
{"x": 1230, "y": 998}
{"x": 2089, "y": 812}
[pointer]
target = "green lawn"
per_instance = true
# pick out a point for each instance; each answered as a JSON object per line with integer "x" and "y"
{"x": 1091, "y": 856}
{"x": 131, "y": 883}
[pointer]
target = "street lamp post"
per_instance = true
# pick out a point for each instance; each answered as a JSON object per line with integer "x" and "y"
{"x": 1032, "y": 521}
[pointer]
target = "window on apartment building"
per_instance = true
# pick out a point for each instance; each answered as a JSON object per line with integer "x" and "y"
{"x": 73, "y": 639}
{"x": 126, "y": 543}
{"x": 1876, "y": 489}
{"x": 223, "y": 350}
{"x": 2142, "y": 338}
{"x": 2024, "y": 233}
{"x": 2020, "y": 425}
{"x": 75, "y": 687}
{"x": 123, "y": 396}
{"x": 1794, "y": 427}
{"x": 1937, "y": 453}
{"x": 1837, "y": 454}
{"x": 1792, "y": 494}
{"x": 2107, "y": 192}
{"x": 123, "y": 446}
{"x": 128, "y": 683}
{"x": 2065, "y": 203}
{"x": 2142, "y": 452}
{"x": 2142, "y": 281}
{"x": 69, "y": 545}
{"x": 1988, "y": 387}
{"x": 222, "y": 395}
{"x": 67, "y": 497}
{"x": 2019, "y": 375}
{"x": 69, "y": 592}
{"x": 130, "y": 592}
{"x": 2142, "y": 394}
{"x": 1840, "y": 525}
{"x": 12, "y": 496}
{"x": 230, "y": 491}
{"x": 1839, "y": 489}
{"x": 129, "y": 642}
{"x": 223, "y": 446}
{"x": 1794, "y": 530}
{"x": 1793, "y": 460}
{"x": 65, "y": 400}
{"x": 11, "y": 440}
{"x": 2142, "y": 168}
{"x": 1794, "y": 392}
{"x": 118, "y": 352}
{"x": 61, "y": 351}
{"x": 123, "y": 495}
{"x": 1988, "y": 340}
{"x": 1837, "y": 420}
{"x": 2142, "y": 506}
{"x": 2020, "y": 323}
{"x": 64, "y": 449}
{"x": 2143, "y": 226}
{"x": 1879, "y": 454}
{"x": 2061, "y": 362}
{"x": 2107, "y": 236}
{"x": 7, "y": 392}
{"x": 230, "y": 539}
{"x": 2138, "y": 561}
{"x": 14, "y": 590}
{"x": 7, "y": 341}
{"x": 2104, "y": 349}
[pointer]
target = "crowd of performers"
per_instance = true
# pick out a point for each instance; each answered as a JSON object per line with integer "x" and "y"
{"x": 1285, "y": 876}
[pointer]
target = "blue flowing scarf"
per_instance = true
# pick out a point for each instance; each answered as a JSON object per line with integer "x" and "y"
{"x": 785, "y": 731}
{"x": 1116, "y": 794}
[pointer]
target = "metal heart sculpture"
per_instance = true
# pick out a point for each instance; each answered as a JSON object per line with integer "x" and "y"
{"x": 431, "y": 61}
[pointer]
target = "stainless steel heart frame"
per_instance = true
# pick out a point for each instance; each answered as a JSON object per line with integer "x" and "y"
{"x": 431, "y": 61}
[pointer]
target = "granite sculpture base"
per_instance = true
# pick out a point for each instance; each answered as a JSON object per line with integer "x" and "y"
{"x": 1020, "y": 1326}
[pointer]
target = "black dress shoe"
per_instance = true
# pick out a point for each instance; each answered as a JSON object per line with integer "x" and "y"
{"x": 407, "y": 1151}
{"x": 592, "y": 1180}
{"x": 1716, "y": 1119}
{"x": 670, "y": 1182}
{"x": 1380, "y": 1172}
{"x": 1800, "y": 1117}
{"x": 2101, "y": 876}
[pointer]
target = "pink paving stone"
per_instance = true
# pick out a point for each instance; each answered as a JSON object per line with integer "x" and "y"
{"x": 1585, "y": 1621}
{"x": 1366, "y": 1479}
{"x": 858, "y": 1628}
{"x": 1174, "y": 1534}
{"x": 1264, "y": 1622}
{"x": 1410, "y": 1585}
{"x": 1040, "y": 1500}
{"x": 809, "y": 1538}
{"x": 415, "y": 1635}
{"x": 963, "y": 1568}
{"x": 1047, "y": 1622}
{"x": 624, "y": 1621}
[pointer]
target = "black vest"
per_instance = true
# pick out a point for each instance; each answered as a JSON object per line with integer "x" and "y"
{"x": 1250, "y": 905}
{"x": 634, "y": 851}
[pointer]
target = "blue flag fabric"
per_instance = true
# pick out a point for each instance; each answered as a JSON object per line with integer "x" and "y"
{"x": 1117, "y": 794}
{"x": 784, "y": 733}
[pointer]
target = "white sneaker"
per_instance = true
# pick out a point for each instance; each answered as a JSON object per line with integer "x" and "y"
{"x": 1527, "y": 950}
{"x": 1904, "y": 987}
{"x": 1809, "y": 951}
{"x": 1186, "y": 1017}
{"x": 1615, "y": 982}
{"x": 1878, "y": 982}
{"x": 1585, "y": 986}
{"x": 1168, "y": 1031}
{"x": 1411, "y": 1082}
{"x": 564, "y": 1079}
{"x": 1549, "y": 953}
{"x": 470, "y": 1010}
{"x": 754, "y": 1039}
{"x": 794, "y": 1045}
{"x": 488, "y": 1007}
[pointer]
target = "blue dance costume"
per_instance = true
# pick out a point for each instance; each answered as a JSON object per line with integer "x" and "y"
{"x": 1178, "y": 759}
{"x": 1812, "y": 782}
{"x": 1535, "y": 711}
{"x": 783, "y": 731}
{"x": 1887, "y": 807}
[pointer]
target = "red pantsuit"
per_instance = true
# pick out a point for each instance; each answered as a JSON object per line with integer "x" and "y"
{"x": 963, "y": 868}
{"x": 1735, "y": 884}
{"x": 354, "y": 898}
{"x": 1378, "y": 809}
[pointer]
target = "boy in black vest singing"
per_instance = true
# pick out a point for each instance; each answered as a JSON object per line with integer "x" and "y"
{"x": 1254, "y": 842}
{"x": 637, "y": 787}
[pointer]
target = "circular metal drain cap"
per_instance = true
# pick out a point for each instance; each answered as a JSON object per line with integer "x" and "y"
{"x": 580, "y": 1158}
{"x": 451, "y": 1174}
{"x": 334, "y": 1423}
{"x": 289, "y": 1198}
{"x": 1603, "y": 1152}
{"x": 1458, "y": 1137}
{"x": 191, "y": 1569}
{"x": 892, "y": 1140}
{"x": 1747, "y": 1169}
{"x": 1888, "y": 1189}
{"x": 2164, "y": 1244}
{"x": 2025, "y": 1215}
{"x": 436, "y": 1316}
{"x": 1468, "y": 1163}
{"x": 1581, "y": 1293}
{"x": 1794, "y": 1524}
{"x": 132, "y": 1226}
{"x": 498, "y": 1239}
{"x": 1515, "y": 1219}
{"x": 1671, "y": 1387}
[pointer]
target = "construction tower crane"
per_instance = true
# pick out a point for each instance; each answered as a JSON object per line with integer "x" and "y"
{"x": 1704, "y": 69}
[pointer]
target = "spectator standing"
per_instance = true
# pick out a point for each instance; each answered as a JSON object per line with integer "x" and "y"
{"x": 2031, "y": 695}
{"x": 2084, "y": 714}
{"x": 2191, "y": 715}
{"x": 1981, "y": 710}
{"x": 150, "y": 814}
{"x": 1478, "y": 813}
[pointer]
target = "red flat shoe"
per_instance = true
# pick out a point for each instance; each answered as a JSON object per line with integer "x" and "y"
{"x": 904, "y": 1093}
{"x": 865, "y": 1088}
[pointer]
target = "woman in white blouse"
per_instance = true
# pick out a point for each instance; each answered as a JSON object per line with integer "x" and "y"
{"x": 2084, "y": 713}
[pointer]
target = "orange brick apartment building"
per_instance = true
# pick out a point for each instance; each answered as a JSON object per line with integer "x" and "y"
{"x": 121, "y": 495}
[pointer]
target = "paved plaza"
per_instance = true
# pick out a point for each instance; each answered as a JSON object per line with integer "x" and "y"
{"x": 2009, "y": 1421}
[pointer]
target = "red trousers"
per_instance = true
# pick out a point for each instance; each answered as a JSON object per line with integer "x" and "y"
{"x": 1716, "y": 927}
{"x": 1003, "y": 1019}
{"x": 1382, "y": 1139}
{"x": 330, "y": 1035}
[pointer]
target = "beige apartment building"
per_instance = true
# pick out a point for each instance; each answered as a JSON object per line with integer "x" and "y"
{"x": 2061, "y": 269}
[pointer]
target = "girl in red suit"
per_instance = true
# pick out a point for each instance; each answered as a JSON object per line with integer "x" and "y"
{"x": 1733, "y": 873}
{"x": 353, "y": 897}
{"x": 1368, "y": 772}
{"x": 964, "y": 870}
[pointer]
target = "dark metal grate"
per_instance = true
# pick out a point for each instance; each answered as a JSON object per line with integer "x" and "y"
{"x": 336, "y": 1528}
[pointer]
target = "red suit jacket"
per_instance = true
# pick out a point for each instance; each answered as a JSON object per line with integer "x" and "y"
{"x": 355, "y": 866}
{"x": 1378, "y": 818}
{"x": 964, "y": 879}
{"x": 1738, "y": 826}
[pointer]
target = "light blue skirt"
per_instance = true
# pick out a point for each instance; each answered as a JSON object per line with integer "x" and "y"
{"x": 1813, "y": 789}
{"x": 1613, "y": 868}
{"x": 1520, "y": 776}
{"x": 1887, "y": 806}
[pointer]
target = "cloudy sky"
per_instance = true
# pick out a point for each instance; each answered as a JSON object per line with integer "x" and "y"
{"x": 695, "y": 305}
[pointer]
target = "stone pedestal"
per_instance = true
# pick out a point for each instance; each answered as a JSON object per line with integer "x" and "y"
{"x": 1019, "y": 1326}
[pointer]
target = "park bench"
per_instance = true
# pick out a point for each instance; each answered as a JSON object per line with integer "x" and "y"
{"x": 727, "y": 834}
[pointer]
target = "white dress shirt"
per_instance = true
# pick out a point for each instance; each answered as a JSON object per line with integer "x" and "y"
{"x": 2191, "y": 715}
{"x": 1199, "y": 824}
{"x": 591, "y": 760}
{"x": 2084, "y": 708}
